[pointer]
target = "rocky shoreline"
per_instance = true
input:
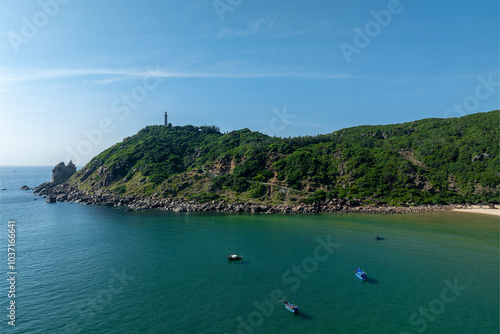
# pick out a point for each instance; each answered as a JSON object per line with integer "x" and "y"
{"x": 68, "y": 193}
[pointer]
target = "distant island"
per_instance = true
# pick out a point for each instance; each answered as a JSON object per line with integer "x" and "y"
{"x": 404, "y": 167}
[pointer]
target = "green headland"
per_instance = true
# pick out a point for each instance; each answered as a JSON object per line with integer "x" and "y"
{"x": 430, "y": 161}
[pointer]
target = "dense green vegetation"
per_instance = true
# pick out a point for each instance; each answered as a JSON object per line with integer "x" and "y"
{"x": 431, "y": 161}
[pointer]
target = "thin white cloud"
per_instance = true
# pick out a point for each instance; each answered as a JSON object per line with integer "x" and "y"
{"x": 284, "y": 26}
{"x": 12, "y": 76}
{"x": 108, "y": 76}
{"x": 257, "y": 27}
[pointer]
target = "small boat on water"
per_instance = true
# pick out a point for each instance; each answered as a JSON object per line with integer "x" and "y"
{"x": 291, "y": 307}
{"x": 377, "y": 237}
{"x": 235, "y": 257}
{"x": 361, "y": 274}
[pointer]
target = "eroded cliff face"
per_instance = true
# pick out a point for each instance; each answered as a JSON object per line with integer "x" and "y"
{"x": 387, "y": 165}
{"x": 61, "y": 172}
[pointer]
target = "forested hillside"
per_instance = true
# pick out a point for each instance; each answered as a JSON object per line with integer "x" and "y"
{"x": 431, "y": 161}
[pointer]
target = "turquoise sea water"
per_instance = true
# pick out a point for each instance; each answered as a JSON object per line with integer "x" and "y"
{"x": 95, "y": 269}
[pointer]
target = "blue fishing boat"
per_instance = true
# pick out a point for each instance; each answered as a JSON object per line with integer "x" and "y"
{"x": 291, "y": 307}
{"x": 361, "y": 274}
{"x": 377, "y": 237}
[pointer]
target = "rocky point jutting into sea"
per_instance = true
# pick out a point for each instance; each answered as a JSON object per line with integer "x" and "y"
{"x": 410, "y": 167}
{"x": 62, "y": 192}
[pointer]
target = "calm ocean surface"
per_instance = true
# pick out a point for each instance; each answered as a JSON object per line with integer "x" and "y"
{"x": 95, "y": 269}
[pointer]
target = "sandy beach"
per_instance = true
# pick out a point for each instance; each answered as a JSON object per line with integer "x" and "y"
{"x": 494, "y": 212}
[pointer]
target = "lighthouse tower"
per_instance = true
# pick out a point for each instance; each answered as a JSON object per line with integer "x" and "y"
{"x": 166, "y": 120}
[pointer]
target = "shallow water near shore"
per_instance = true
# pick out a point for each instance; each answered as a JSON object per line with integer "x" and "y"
{"x": 96, "y": 269}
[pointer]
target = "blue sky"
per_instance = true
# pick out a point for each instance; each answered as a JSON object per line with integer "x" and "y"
{"x": 78, "y": 76}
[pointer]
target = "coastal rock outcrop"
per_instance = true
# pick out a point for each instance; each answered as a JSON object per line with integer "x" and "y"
{"x": 371, "y": 169}
{"x": 68, "y": 193}
{"x": 61, "y": 172}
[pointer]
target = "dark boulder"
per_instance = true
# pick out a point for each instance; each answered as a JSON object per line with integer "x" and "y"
{"x": 62, "y": 198}
{"x": 61, "y": 172}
